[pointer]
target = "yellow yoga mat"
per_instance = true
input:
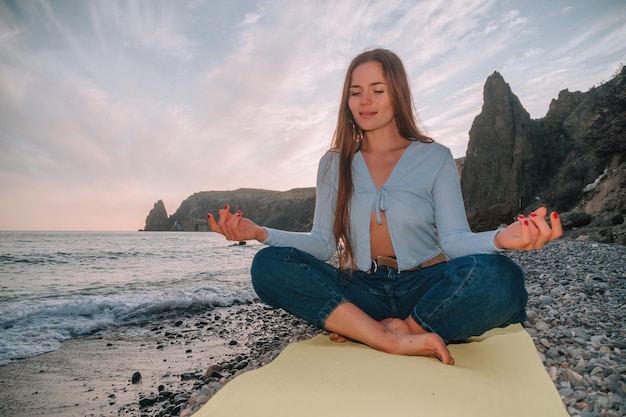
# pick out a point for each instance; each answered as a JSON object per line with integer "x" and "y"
{"x": 497, "y": 374}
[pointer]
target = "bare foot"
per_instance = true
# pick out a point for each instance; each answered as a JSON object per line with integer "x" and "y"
{"x": 393, "y": 335}
{"x": 337, "y": 338}
{"x": 405, "y": 342}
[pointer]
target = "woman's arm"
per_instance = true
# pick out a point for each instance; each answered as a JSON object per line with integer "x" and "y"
{"x": 455, "y": 235}
{"x": 320, "y": 242}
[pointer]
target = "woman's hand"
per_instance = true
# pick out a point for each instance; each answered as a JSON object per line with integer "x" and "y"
{"x": 530, "y": 233}
{"x": 235, "y": 227}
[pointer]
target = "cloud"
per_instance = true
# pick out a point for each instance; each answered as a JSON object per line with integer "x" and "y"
{"x": 106, "y": 107}
{"x": 251, "y": 18}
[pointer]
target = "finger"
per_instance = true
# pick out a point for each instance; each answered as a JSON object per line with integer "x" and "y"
{"x": 223, "y": 220}
{"x": 557, "y": 228}
{"x": 544, "y": 231}
{"x": 541, "y": 212}
{"x": 233, "y": 226}
{"x": 525, "y": 234}
{"x": 213, "y": 224}
{"x": 534, "y": 234}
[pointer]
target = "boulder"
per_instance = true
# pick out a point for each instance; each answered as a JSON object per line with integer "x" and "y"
{"x": 573, "y": 219}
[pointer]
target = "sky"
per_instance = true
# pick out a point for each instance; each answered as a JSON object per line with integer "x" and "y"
{"x": 107, "y": 106}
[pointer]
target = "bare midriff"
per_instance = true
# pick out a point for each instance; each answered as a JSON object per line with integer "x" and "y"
{"x": 380, "y": 241}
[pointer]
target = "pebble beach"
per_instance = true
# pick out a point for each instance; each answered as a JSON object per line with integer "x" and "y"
{"x": 576, "y": 319}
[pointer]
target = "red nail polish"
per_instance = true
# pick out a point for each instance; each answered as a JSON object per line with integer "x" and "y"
{"x": 555, "y": 215}
{"x": 226, "y": 207}
{"x": 525, "y": 222}
{"x": 533, "y": 215}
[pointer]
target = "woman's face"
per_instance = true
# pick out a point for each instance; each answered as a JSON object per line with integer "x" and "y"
{"x": 369, "y": 101}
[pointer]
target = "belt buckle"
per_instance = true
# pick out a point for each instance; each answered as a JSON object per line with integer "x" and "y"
{"x": 374, "y": 267}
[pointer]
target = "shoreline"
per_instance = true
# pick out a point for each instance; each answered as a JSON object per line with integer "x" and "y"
{"x": 93, "y": 375}
{"x": 575, "y": 318}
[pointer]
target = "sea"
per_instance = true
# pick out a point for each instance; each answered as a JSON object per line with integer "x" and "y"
{"x": 56, "y": 286}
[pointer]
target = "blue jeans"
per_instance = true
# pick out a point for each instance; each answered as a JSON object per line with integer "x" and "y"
{"x": 457, "y": 299}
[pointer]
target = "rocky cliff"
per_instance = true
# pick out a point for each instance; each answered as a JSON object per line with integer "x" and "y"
{"x": 573, "y": 160}
{"x": 503, "y": 152}
{"x": 288, "y": 210}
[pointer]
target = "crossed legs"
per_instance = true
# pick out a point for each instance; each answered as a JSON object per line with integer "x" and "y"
{"x": 450, "y": 301}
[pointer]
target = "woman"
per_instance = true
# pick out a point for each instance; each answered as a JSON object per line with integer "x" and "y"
{"x": 412, "y": 276}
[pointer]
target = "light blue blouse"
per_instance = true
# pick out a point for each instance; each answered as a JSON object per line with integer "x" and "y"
{"x": 421, "y": 200}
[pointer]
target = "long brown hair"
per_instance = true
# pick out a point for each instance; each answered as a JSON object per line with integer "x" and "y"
{"x": 347, "y": 131}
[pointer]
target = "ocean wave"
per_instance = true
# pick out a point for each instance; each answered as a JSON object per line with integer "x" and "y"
{"x": 55, "y": 286}
{"x": 36, "y": 326}
{"x": 32, "y": 260}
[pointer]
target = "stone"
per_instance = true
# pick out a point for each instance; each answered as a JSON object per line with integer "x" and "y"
{"x": 580, "y": 333}
{"x": 607, "y": 218}
{"x": 213, "y": 371}
{"x": 148, "y": 400}
{"x": 136, "y": 378}
{"x": 616, "y": 398}
{"x": 604, "y": 402}
{"x": 545, "y": 342}
{"x": 574, "y": 219}
{"x": 180, "y": 398}
{"x": 546, "y": 299}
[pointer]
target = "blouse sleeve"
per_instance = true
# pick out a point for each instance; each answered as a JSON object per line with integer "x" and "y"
{"x": 455, "y": 235}
{"x": 320, "y": 242}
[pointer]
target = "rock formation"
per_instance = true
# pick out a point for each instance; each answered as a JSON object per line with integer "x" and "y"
{"x": 503, "y": 152}
{"x": 574, "y": 159}
{"x": 157, "y": 218}
{"x": 289, "y": 210}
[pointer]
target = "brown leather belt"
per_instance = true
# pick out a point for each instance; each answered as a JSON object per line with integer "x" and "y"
{"x": 393, "y": 263}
